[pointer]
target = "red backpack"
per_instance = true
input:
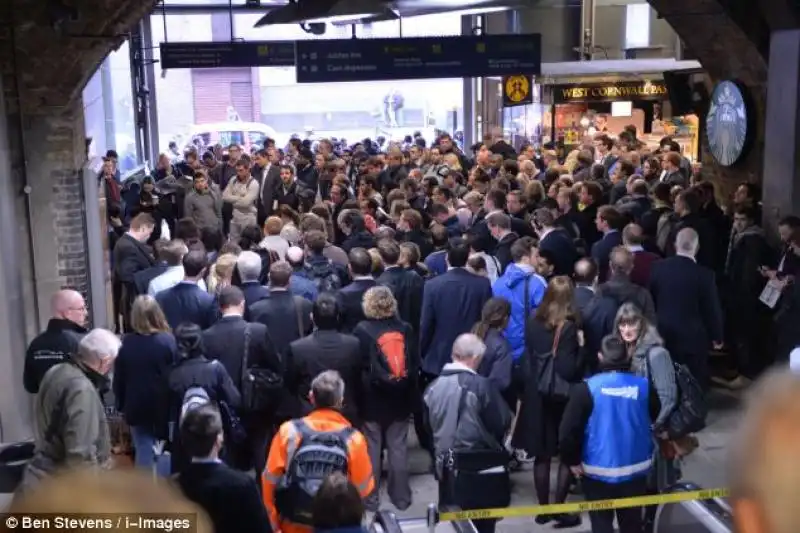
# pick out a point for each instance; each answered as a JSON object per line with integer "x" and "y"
{"x": 389, "y": 365}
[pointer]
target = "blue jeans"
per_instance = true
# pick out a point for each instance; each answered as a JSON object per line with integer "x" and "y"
{"x": 143, "y": 441}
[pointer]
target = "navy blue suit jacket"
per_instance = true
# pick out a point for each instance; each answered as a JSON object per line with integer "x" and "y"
{"x": 601, "y": 252}
{"x": 560, "y": 244}
{"x": 451, "y": 305}
{"x": 687, "y": 305}
{"x": 186, "y": 302}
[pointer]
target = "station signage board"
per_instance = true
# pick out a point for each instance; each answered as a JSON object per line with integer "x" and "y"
{"x": 469, "y": 56}
{"x": 227, "y": 54}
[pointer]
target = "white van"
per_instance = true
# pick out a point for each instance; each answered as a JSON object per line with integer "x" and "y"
{"x": 245, "y": 134}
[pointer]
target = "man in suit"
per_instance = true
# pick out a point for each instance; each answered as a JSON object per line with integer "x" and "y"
{"x": 451, "y": 305}
{"x": 287, "y": 317}
{"x": 186, "y": 301}
{"x": 225, "y": 342}
{"x": 672, "y": 174}
{"x": 605, "y": 148}
{"x": 609, "y": 223}
{"x": 327, "y": 349}
{"x": 556, "y": 241}
{"x": 268, "y": 174}
{"x": 585, "y": 278}
{"x": 129, "y": 256}
{"x": 499, "y": 225}
{"x": 249, "y": 265}
{"x": 688, "y": 306}
{"x": 633, "y": 239}
{"x": 406, "y": 285}
{"x": 230, "y": 498}
{"x": 688, "y": 207}
{"x": 351, "y": 296}
{"x": 142, "y": 279}
{"x": 620, "y": 289}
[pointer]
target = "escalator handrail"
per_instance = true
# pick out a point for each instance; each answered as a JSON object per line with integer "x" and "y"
{"x": 716, "y": 508}
{"x": 388, "y": 522}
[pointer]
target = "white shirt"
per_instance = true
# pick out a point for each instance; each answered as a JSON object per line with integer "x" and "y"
{"x": 169, "y": 279}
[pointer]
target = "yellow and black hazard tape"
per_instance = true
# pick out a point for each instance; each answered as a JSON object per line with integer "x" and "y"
{"x": 583, "y": 507}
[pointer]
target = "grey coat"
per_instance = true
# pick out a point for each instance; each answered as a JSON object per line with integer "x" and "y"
{"x": 205, "y": 209}
{"x": 71, "y": 426}
{"x": 479, "y": 422}
{"x": 662, "y": 372}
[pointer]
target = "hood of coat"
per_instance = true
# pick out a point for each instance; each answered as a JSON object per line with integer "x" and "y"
{"x": 648, "y": 340}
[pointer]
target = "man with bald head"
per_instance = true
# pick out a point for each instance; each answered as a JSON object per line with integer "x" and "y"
{"x": 689, "y": 312}
{"x": 59, "y": 341}
{"x": 633, "y": 240}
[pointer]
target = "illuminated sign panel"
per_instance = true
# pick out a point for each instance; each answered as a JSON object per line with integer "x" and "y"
{"x": 321, "y": 61}
{"x": 608, "y": 92}
{"x": 227, "y": 54}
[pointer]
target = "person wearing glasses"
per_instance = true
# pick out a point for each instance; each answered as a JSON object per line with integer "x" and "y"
{"x": 59, "y": 341}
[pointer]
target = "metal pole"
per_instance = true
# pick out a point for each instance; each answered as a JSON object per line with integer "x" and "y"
{"x": 431, "y": 517}
{"x": 95, "y": 239}
{"x": 151, "y": 112}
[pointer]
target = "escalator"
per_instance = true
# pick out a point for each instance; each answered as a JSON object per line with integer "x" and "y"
{"x": 387, "y": 522}
{"x": 696, "y": 516}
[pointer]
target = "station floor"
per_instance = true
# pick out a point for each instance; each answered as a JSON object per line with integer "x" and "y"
{"x": 706, "y": 466}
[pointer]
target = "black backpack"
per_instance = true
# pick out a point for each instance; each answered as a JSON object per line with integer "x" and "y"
{"x": 324, "y": 276}
{"x": 689, "y": 415}
{"x": 262, "y": 388}
{"x": 318, "y": 455}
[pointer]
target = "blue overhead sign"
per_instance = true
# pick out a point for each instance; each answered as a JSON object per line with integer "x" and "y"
{"x": 227, "y": 54}
{"x": 469, "y": 56}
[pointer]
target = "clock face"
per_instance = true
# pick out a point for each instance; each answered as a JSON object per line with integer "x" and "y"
{"x": 727, "y": 123}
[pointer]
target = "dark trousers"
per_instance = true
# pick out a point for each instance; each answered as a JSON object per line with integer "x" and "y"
{"x": 629, "y": 520}
{"x": 252, "y": 452}
{"x": 423, "y": 431}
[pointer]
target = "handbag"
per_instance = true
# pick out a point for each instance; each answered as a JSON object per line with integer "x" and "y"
{"x": 691, "y": 409}
{"x": 261, "y": 387}
{"x": 549, "y": 381}
{"x": 474, "y": 479}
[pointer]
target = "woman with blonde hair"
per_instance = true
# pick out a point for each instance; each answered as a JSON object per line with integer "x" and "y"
{"x": 534, "y": 192}
{"x": 553, "y": 360}
{"x": 451, "y": 160}
{"x": 140, "y": 376}
{"x": 221, "y": 273}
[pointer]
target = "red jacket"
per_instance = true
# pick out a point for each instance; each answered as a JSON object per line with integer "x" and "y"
{"x": 642, "y": 263}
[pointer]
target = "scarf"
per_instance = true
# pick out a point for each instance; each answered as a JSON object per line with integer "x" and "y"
{"x": 736, "y": 237}
{"x": 112, "y": 187}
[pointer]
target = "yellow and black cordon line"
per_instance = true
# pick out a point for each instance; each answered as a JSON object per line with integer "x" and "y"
{"x": 583, "y": 507}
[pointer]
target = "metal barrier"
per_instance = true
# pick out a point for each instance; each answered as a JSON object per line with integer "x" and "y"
{"x": 712, "y": 515}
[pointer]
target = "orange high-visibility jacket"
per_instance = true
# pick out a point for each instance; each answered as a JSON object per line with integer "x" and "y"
{"x": 286, "y": 443}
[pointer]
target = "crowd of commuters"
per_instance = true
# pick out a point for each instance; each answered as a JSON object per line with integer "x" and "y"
{"x": 309, "y": 304}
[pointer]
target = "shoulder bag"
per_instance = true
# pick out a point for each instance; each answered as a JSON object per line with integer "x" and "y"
{"x": 261, "y": 387}
{"x": 550, "y": 383}
{"x": 474, "y": 479}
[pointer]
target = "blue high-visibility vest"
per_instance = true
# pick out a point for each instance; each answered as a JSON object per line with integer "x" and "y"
{"x": 618, "y": 444}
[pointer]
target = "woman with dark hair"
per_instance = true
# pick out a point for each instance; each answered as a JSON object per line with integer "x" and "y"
{"x": 554, "y": 341}
{"x": 496, "y": 362}
{"x": 337, "y": 506}
{"x": 194, "y": 370}
{"x": 650, "y": 359}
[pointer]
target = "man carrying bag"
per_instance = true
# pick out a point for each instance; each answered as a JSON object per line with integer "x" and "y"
{"x": 469, "y": 420}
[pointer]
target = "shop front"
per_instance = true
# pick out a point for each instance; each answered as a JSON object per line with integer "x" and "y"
{"x": 583, "y": 109}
